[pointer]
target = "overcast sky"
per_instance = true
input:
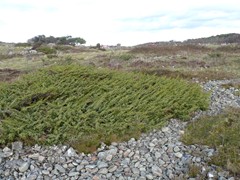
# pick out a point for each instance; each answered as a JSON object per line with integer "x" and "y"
{"x": 128, "y": 22}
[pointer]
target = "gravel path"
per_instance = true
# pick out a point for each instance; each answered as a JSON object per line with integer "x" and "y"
{"x": 157, "y": 155}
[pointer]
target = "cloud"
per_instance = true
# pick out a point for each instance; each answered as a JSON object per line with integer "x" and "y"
{"x": 112, "y": 22}
{"x": 193, "y": 18}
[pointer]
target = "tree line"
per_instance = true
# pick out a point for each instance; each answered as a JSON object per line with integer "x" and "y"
{"x": 64, "y": 40}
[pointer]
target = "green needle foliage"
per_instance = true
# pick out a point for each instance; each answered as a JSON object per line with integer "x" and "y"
{"x": 84, "y": 106}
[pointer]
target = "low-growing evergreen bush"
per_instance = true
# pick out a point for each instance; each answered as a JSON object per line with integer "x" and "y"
{"x": 85, "y": 106}
{"x": 46, "y": 50}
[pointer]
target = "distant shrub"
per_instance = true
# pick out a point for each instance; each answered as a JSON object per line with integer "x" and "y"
{"x": 4, "y": 56}
{"x": 50, "y": 56}
{"x": 65, "y": 60}
{"x": 125, "y": 56}
{"x": 46, "y": 50}
{"x": 22, "y": 45}
{"x": 163, "y": 50}
{"x": 9, "y": 56}
{"x": 229, "y": 49}
{"x": 63, "y": 48}
{"x": 215, "y": 55}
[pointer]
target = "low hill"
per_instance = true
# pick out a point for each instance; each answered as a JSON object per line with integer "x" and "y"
{"x": 219, "y": 39}
{"x": 230, "y": 38}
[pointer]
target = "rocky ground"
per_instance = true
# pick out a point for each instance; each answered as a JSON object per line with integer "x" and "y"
{"x": 157, "y": 155}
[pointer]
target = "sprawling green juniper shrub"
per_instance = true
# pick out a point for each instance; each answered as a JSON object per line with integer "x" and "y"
{"x": 84, "y": 106}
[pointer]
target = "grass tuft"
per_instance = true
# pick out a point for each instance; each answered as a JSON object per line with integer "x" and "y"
{"x": 221, "y": 132}
{"x": 194, "y": 170}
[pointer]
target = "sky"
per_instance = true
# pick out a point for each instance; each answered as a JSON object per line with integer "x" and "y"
{"x": 109, "y": 22}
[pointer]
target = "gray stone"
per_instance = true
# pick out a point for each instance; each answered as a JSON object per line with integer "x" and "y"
{"x": 17, "y": 146}
{"x": 70, "y": 152}
{"x": 41, "y": 158}
{"x": 6, "y": 149}
{"x": 90, "y": 166}
{"x": 210, "y": 175}
{"x": 109, "y": 175}
{"x": 121, "y": 178}
{"x": 135, "y": 171}
{"x": 60, "y": 168}
{"x": 102, "y": 155}
{"x": 84, "y": 162}
{"x": 178, "y": 154}
{"x": 126, "y": 153}
{"x": 161, "y": 162}
{"x": 45, "y": 172}
{"x": 95, "y": 177}
{"x": 32, "y": 176}
{"x": 73, "y": 174}
{"x": 142, "y": 169}
{"x": 70, "y": 165}
{"x": 125, "y": 162}
{"x": 112, "y": 151}
{"x": 92, "y": 170}
{"x": 149, "y": 176}
{"x": 137, "y": 164}
{"x": 165, "y": 158}
{"x": 101, "y": 164}
{"x": 158, "y": 155}
{"x": 24, "y": 167}
{"x": 79, "y": 167}
{"x": 156, "y": 170}
{"x": 103, "y": 171}
{"x": 165, "y": 129}
{"x": 151, "y": 144}
{"x": 198, "y": 159}
{"x": 112, "y": 168}
{"x": 176, "y": 149}
{"x": 6, "y": 152}
{"x": 131, "y": 154}
{"x": 34, "y": 156}
{"x": 109, "y": 157}
{"x": 7, "y": 172}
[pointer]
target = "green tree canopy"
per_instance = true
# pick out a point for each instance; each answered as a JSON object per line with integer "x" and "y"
{"x": 64, "y": 40}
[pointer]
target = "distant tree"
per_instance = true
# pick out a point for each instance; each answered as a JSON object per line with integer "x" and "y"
{"x": 51, "y": 39}
{"x": 37, "y": 41}
{"x": 98, "y": 46}
{"x": 75, "y": 41}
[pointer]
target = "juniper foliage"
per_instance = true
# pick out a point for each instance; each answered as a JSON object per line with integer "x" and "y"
{"x": 75, "y": 104}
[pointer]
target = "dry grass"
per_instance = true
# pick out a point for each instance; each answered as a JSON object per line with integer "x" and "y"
{"x": 194, "y": 170}
{"x": 202, "y": 76}
{"x": 235, "y": 85}
{"x": 185, "y": 61}
{"x": 221, "y": 132}
{"x": 9, "y": 75}
{"x": 170, "y": 49}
